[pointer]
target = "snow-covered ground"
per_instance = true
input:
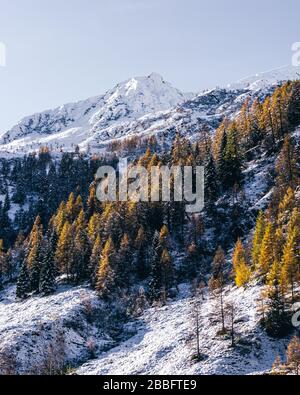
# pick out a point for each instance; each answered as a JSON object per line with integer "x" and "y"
{"x": 164, "y": 344}
{"x": 30, "y": 328}
{"x": 264, "y": 79}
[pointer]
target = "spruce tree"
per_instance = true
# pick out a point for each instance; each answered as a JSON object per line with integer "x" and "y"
{"x": 293, "y": 108}
{"x": 23, "y": 284}
{"x": 277, "y": 321}
{"x": 211, "y": 185}
{"x": 48, "y": 272}
{"x": 232, "y": 160}
{"x": 221, "y": 162}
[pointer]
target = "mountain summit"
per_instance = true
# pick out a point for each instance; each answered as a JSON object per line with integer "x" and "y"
{"x": 73, "y": 123}
{"x": 141, "y": 105}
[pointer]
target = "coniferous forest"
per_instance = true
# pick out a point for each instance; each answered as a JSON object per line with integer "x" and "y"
{"x": 54, "y": 230}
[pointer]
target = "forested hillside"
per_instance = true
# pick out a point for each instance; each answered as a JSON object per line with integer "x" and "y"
{"x": 54, "y": 230}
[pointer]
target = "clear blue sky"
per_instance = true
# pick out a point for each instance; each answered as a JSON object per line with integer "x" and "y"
{"x": 64, "y": 50}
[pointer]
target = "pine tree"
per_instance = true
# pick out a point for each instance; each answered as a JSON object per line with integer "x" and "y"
{"x": 286, "y": 206}
{"x": 279, "y": 111}
{"x": 93, "y": 204}
{"x": 240, "y": 265}
{"x": 95, "y": 259}
{"x": 291, "y": 259}
{"x": 243, "y": 121}
{"x": 211, "y": 185}
{"x": 71, "y": 208}
{"x": 256, "y": 132}
{"x": 293, "y": 109}
{"x": 112, "y": 224}
{"x": 277, "y": 368}
{"x": 94, "y": 227}
{"x": 287, "y": 165}
{"x": 233, "y": 164}
{"x": 277, "y": 321}
{"x": 258, "y": 238}
{"x": 23, "y": 284}
{"x": 278, "y": 244}
{"x": 267, "y": 257}
{"x": 47, "y": 281}
{"x": 78, "y": 206}
{"x": 105, "y": 279}
{"x": 267, "y": 123}
{"x": 64, "y": 254}
{"x": 79, "y": 268}
{"x": 221, "y": 162}
{"x": 34, "y": 257}
{"x": 60, "y": 218}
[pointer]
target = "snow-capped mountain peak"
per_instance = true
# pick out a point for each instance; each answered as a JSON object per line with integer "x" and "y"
{"x": 75, "y": 122}
{"x": 140, "y": 105}
{"x": 267, "y": 78}
{"x": 137, "y": 97}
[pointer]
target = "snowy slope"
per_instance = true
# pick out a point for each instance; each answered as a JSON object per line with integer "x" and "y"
{"x": 163, "y": 345}
{"x": 28, "y": 329}
{"x": 142, "y": 105}
{"x": 268, "y": 78}
{"x": 74, "y": 123}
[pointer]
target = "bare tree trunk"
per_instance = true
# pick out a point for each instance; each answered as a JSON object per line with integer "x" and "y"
{"x": 222, "y": 310}
{"x": 198, "y": 334}
{"x": 232, "y": 326}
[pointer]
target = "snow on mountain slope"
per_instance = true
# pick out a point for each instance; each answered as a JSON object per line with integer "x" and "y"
{"x": 29, "y": 329}
{"x": 142, "y": 105}
{"x": 162, "y": 344}
{"x": 268, "y": 78}
{"x": 73, "y": 123}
